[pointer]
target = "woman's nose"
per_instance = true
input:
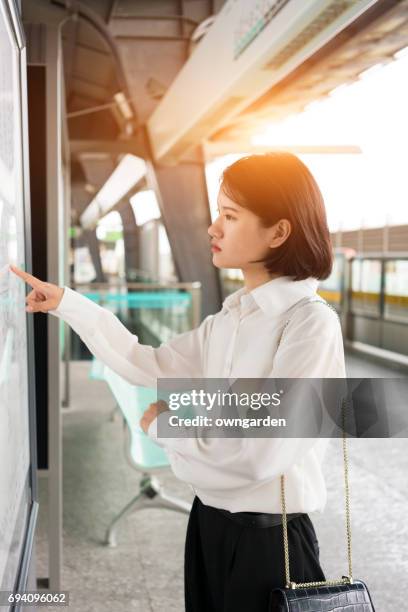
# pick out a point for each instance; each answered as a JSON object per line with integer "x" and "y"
{"x": 214, "y": 230}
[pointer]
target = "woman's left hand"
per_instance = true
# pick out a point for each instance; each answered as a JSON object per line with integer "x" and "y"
{"x": 151, "y": 413}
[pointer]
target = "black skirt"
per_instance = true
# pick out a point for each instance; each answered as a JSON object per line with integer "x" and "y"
{"x": 233, "y": 568}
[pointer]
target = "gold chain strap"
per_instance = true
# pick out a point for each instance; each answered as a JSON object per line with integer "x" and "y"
{"x": 345, "y": 579}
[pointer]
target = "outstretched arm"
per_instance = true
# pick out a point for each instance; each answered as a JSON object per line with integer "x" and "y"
{"x": 109, "y": 340}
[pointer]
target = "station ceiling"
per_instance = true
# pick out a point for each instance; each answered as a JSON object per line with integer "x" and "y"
{"x": 122, "y": 56}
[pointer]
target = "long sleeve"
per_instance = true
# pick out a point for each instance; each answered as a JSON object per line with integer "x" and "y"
{"x": 312, "y": 347}
{"x": 109, "y": 340}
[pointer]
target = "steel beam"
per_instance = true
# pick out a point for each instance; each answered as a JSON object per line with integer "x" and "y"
{"x": 107, "y": 146}
{"x": 182, "y": 194}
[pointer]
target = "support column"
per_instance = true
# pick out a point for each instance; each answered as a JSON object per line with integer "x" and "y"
{"x": 55, "y": 240}
{"x": 91, "y": 239}
{"x": 49, "y": 240}
{"x": 182, "y": 194}
{"x": 131, "y": 243}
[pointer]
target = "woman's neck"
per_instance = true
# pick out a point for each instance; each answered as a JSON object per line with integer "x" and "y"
{"x": 255, "y": 278}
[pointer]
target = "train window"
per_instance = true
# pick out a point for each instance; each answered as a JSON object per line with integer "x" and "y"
{"x": 366, "y": 286}
{"x": 396, "y": 290}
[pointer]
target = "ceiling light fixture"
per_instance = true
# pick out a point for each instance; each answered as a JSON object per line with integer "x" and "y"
{"x": 123, "y": 105}
{"x": 127, "y": 174}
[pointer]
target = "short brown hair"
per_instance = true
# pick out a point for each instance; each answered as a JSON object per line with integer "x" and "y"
{"x": 278, "y": 186}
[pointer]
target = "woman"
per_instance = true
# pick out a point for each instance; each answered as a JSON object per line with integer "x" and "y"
{"x": 272, "y": 225}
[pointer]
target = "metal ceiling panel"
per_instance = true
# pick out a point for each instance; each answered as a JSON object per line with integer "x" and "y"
{"x": 249, "y": 48}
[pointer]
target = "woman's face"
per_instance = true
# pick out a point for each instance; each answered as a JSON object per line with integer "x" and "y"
{"x": 238, "y": 238}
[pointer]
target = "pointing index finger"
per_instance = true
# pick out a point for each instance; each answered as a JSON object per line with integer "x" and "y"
{"x": 28, "y": 278}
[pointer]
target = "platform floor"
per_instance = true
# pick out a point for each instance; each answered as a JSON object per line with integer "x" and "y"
{"x": 365, "y": 366}
{"x": 145, "y": 572}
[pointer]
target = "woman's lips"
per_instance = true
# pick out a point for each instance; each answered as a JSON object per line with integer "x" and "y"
{"x": 215, "y": 249}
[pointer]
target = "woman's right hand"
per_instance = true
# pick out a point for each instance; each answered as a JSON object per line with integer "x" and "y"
{"x": 43, "y": 297}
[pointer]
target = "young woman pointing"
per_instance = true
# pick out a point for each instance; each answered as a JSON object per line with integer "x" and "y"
{"x": 272, "y": 225}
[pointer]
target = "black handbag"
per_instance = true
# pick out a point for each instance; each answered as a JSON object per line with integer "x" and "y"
{"x": 345, "y": 593}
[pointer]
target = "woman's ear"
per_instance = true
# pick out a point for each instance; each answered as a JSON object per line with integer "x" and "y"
{"x": 280, "y": 232}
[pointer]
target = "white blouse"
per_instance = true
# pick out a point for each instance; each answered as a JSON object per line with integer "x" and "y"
{"x": 240, "y": 341}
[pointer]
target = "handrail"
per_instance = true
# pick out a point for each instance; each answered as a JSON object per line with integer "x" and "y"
{"x": 155, "y": 285}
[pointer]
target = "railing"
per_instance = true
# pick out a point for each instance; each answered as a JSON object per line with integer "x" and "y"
{"x": 163, "y": 310}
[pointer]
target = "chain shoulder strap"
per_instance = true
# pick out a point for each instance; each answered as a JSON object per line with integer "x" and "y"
{"x": 345, "y": 579}
{"x": 305, "y": 303}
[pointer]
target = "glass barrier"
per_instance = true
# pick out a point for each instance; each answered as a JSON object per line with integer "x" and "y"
{"x": 331, "y": 289}
{"x": 396, "y": 290}
{"x": 366, "y": 287}
{"x": 154, "y": 312}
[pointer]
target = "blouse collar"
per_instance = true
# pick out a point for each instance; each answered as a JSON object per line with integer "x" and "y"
{"x": 273, "y": 297}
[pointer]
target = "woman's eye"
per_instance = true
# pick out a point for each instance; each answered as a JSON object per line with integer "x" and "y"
{"x": 227, "y": 217}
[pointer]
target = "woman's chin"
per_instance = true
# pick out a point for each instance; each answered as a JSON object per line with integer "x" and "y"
{"x": 221, "y": 262}
{"x": 217, "y": 262}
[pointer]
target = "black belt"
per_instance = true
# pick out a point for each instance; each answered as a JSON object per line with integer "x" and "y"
{"x": 257, "y": 519}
